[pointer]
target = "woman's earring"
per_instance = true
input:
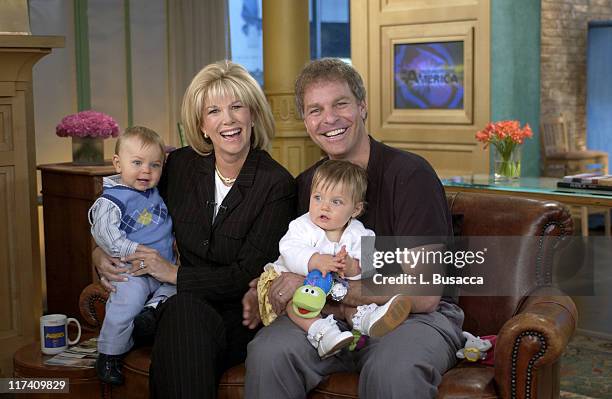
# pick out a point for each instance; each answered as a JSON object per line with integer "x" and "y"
{"x": 252, "y": 124}
{"x": 205, "y": 135}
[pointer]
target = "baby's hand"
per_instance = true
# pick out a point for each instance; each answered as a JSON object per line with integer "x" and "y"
{"x": 144, "y": 248}
{"x": 325, "y": 264}
{"x": 352, "y": 267}
{"x": 342, "y": 254}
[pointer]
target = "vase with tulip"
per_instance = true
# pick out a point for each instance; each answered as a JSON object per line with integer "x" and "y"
{"x": 506, "y": 138}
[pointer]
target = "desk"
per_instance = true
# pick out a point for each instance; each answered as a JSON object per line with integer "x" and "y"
{"x": 544, "y": 188}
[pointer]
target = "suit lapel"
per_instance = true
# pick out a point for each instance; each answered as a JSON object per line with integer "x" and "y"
{"x": 237, "y": 193}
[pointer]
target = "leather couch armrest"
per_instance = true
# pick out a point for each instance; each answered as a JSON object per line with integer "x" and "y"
{"x": 92, "y": 303}
{"x": 535, "y": 337}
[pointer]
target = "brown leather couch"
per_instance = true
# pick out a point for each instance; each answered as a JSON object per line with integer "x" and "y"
{"x": 532, "y": 328}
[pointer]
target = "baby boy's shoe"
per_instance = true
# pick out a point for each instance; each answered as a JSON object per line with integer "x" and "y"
{"x": 376, "y": 321}
{"x": 327, "y": 338}
{"x": 108, "y": 368}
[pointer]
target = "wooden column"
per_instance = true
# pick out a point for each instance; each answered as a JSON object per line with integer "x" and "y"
{"x": 286, "y": 50}
{"x": 20, "y": 280}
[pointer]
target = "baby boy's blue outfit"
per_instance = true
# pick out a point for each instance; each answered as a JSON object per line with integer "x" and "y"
{"x": 122, "y": 218}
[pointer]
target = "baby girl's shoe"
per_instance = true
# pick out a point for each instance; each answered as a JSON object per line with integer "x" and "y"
{"x": 327, "y": 338}
{"x": 376, "y": 321}
{"x": 108, "y": 368}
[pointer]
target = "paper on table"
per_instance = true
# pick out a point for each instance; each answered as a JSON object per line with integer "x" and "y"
{"x": 83, "y": 355}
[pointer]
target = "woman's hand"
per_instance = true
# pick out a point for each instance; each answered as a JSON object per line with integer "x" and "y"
{"x": 250, "y": 306}
{"x": 148, "y": 261}
{"x": 109, "y": 268}
{"x": 282, "y": 289}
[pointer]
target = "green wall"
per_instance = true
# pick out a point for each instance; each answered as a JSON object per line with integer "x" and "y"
{"x": 81, "y": 44}
{"x": 515, "y": 71}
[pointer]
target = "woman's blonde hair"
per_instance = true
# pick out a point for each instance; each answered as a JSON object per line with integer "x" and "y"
{"x": 225, "y": 78}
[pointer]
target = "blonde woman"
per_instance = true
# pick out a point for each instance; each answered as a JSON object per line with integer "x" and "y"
{"x": 230, "y": 203}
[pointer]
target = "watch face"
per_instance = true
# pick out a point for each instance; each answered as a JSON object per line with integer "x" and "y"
{"x": 338, "y": 292}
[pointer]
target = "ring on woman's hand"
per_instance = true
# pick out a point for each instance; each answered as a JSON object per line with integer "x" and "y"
{"x": 142, "y": 265}
{"x": 280, "y": 293}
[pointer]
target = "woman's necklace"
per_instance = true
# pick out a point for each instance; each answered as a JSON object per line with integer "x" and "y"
{"x": 224, "y": 179}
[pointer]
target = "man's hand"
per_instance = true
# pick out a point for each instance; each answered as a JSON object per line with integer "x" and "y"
{"x": 250, "y": 306}
{"x": 282, "y": 289}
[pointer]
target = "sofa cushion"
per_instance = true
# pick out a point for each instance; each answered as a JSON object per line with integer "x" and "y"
{"x": 337, "y": 386}
{"x": 139, "y": 359}
{"x": 136, "y": 372}
{"x": 468, "y": 380}
{"x": 231, "y": 385}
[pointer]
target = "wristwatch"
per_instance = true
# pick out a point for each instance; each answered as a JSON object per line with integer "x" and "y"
{"x": 339, "y": 289}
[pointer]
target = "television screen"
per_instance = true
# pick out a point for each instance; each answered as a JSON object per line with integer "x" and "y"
{"x": 429, "y": 75}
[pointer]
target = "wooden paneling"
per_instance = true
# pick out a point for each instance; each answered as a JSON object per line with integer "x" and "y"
{"x": 295, "y": 153}
{"x": 451, "y": 158}
{"x": 20, "y": 274}
{"x": 446, "y": 141}
{"x": 8, "y": 273}
{"x": 426, "y": 33}
{"x": 416, "y": 5}
{"x": 6, "y": 138}
{"x": 21, "y": 290}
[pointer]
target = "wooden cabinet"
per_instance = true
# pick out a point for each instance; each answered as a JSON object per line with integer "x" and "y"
{"x": 68, "y": 192}
{"x": 20, "y": 287}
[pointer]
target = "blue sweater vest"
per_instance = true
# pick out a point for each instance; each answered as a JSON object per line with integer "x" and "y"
{"x": 144, "y": 217}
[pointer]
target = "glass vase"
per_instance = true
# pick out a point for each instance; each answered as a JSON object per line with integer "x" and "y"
{"x": 87, "y": 151}
{"x": 507, "y": 166}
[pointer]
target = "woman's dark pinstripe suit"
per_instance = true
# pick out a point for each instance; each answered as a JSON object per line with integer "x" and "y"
{"x": 200, "y": 330}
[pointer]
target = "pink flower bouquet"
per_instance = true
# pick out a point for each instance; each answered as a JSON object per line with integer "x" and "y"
{"x": 88, "y": 124}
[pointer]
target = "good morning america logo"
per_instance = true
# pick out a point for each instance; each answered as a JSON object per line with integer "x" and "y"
{"x": 429, "y": 75}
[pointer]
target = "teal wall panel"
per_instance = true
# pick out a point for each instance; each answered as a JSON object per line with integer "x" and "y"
{"x": 515, "y": 70}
